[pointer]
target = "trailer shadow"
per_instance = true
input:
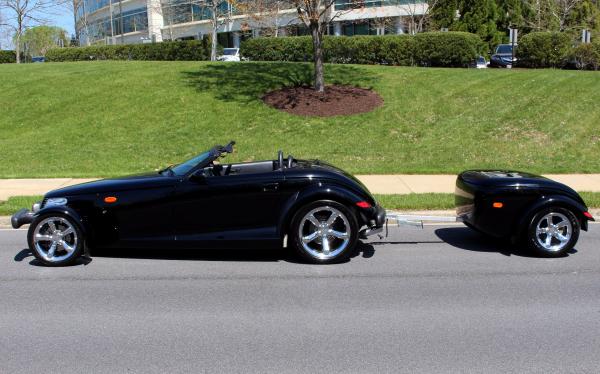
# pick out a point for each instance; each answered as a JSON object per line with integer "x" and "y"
{"x": 471, "y": 240}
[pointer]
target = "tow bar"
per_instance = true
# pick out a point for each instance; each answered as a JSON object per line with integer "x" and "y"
{"x": 414, "y": 220}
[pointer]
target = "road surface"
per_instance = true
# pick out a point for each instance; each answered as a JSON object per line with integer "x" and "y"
{"x": 439, "y": 300}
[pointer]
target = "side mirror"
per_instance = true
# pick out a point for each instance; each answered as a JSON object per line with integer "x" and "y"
{"x": 198, "y": 176}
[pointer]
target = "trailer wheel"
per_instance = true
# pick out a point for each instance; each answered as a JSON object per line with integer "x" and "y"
{"x": 552, "y": 232}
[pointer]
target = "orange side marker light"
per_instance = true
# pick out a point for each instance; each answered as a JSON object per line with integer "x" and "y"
{"x": 110, "y": 199}
{"x": 497, "y": 205}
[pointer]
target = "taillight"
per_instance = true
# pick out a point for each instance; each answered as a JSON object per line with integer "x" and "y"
{"x": 588, "y": 216}
{"x": 363, "y": 204}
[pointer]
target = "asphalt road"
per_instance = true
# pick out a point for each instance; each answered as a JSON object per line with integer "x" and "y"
{"x": 440, "y": 300}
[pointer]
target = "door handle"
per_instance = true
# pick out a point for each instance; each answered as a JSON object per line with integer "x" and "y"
{"x": 270, "y": 187}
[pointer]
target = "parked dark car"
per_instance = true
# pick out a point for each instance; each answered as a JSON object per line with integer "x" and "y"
{"x": 38, "y": 59}
{"x": 546, "y": 215}
{"x": 319, "y": 209}
{"x": 503, "y": 56}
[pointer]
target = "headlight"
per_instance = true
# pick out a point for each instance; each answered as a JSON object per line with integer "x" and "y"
{"x": 36, "y": 207}
{"x": 57, "y": 201}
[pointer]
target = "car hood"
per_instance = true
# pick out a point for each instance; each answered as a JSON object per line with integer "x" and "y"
{"x": 137, "y": 181}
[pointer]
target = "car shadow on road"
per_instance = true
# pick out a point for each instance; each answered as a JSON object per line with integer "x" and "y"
{"x": 26, "y": 253}
{"x": 364, "y": 250}
{"x": 471, "y": 240}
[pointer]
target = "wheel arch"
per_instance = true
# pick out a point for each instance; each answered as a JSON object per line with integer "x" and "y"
{"x": 577, "y": 208}
{"x": 69, "y": 212}
{"x": 316, "y": 193}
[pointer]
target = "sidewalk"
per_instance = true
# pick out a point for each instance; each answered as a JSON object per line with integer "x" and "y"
{"x": 377, "y": 184}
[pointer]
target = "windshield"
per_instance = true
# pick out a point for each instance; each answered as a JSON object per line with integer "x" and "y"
{"x": 230, "y": 51}
{"x": 185, "y": 167}
{"x": 504, "y": 49}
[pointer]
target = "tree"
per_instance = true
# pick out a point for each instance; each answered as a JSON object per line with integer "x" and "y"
{"x": 419, "y": 14}
{"x": 316, "y": 15}
{"x": 40, "y": 39}
{"x": 479, "y": 17}
{"x": 20, "y": 14}
{"x": 220, "y": 13}
{"x": 265, "y": 14}
{"x": 444, "y": 14}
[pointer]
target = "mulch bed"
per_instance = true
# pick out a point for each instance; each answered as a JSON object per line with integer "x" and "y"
{"x": 335, "y": 101}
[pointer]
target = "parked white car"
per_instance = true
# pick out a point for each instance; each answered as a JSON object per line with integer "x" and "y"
{"x": 230, "y": 55}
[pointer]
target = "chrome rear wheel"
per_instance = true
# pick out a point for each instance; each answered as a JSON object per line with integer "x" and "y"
{"x": 554, "y": 231}
{"x": 324, "y": 231}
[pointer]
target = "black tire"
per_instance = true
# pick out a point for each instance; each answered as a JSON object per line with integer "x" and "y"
{"x": 75, "y": 238}
{"x": 537, "y": 242}
{"x": 299, "y": 223}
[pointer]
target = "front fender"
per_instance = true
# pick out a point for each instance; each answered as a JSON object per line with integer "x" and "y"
{"x": 552, "y": 200}
{"x": 314, "y": 193}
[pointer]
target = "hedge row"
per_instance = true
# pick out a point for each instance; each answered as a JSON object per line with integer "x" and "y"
{"x": 190, "y": 50}
{"x": 544, "y": 50}
{"x": 7, "y": 57}
{"x": 586, "y": 56}
{"x": 453, "y": 49}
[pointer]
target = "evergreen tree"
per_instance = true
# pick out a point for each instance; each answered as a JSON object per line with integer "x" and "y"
{"x": 480, "y": 17}
{"x": 443, "y": 14}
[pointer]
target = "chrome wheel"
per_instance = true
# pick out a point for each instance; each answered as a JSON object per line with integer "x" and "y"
{"x": 55, "y": 239}
{"x": 553, "y": 231}
{"x": 324, "y": 232}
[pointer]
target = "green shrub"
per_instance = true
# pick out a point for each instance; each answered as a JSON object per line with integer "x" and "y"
{"x": 426, "y": 49}
{"x": 192, "y": 50}
{"x": 8, "y": 57}
{"x": 454, "y": 49}
{"x": 587, "y": 56}
{"x": 544, "y": 50}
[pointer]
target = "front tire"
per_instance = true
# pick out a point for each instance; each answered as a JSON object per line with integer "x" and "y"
{"x": 324, "y": 232}
{"x": 55, "y": 239}
{"x": 553, "y": 232}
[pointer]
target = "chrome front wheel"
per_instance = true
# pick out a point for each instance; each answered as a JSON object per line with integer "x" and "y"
{"x": 55, "y": 240}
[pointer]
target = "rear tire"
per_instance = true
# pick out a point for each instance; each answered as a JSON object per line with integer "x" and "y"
{"x": 324, "y": 232}
{"x": 55, "y": 239}
{"x": 553, "y": 232}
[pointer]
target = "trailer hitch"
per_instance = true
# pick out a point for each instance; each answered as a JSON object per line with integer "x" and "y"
{"x": 415, "y": 220}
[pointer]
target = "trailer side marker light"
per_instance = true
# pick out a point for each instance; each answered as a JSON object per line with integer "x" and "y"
{"x": 497, "y": 205}
{"x": 110, "y": 199}
{"x": 363, "y": 204}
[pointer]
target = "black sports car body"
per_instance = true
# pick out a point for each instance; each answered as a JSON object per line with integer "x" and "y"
{"x": 320, "y": 210}
{"x": 315, "y": 208}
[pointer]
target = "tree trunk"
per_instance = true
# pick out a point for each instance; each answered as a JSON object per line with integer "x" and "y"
{"x": 213, "y": 43}
{"x": 18, "y": 47}
{"x": 317, "y": 38}
{"x": 215, "y": 28}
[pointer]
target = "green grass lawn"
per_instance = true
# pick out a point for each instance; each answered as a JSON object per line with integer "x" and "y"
{"x": 425, "y": 201}
{"x": 95, "y": 119}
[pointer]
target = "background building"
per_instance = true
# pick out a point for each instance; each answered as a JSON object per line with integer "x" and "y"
{"x": 139, "y": 21}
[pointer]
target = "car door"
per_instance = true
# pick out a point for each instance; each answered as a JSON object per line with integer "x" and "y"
{"x": 230, "y": 210}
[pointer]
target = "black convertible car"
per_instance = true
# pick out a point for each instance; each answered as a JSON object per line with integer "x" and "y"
{"x": 318, "y": 209}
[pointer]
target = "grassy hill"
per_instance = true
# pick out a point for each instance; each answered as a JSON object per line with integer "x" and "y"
{"x": 110, "y": 118}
